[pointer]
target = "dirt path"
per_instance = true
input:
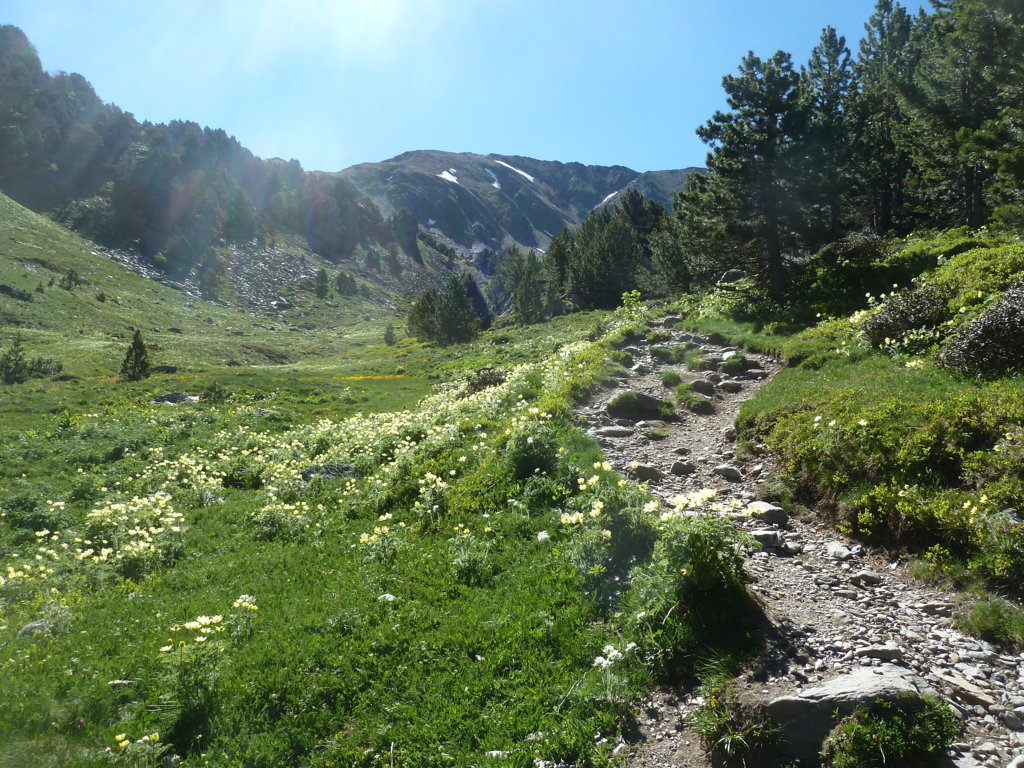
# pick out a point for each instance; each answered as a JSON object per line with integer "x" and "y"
{"x": 833, "y": 606}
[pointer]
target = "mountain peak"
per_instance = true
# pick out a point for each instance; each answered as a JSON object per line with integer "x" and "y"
{"x": 496, "y": 200}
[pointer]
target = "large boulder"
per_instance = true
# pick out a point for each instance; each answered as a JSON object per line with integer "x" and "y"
{"x": 806, "y": 718}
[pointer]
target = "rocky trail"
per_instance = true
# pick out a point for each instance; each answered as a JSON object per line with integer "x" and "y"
{"x": 843, "y": 623}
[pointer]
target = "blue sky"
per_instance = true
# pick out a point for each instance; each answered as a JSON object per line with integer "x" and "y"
{"x": 337, "y": 82}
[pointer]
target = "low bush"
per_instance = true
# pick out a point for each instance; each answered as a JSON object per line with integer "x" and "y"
{"x": 993, "y": 343}
{"x": 920, "y": 308}
{"x": 901, "y": 732}
{"x": 691, "y": 594}
{"x": 661, "y": 353}
{"x": 731, "y": 732}
{"x": 732, "y": 366}
{"x": 532, "y": 450}
{"x": 995, "y": 620}
{"x": 670, "y": 378}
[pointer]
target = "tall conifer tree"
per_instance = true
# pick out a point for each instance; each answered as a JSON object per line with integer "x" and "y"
{"x": 755, "y": 164}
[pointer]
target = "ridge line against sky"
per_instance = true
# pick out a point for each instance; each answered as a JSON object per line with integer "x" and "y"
{"x": 334, "y": 83}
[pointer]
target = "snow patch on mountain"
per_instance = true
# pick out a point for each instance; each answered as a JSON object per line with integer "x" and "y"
{"x": 449, "y": 175}
{"x": 496, "y": 184}
{"x": 609, "y": 197}
{"x": 513, "y": 168}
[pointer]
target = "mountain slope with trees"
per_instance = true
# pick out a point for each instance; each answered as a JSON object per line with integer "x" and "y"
{"x": 496, "y": 201}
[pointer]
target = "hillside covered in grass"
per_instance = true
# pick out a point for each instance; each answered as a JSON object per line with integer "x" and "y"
{"x": 899, "y": 415}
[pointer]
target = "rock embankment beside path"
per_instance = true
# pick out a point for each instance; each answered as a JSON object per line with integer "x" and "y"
{"x": 843, "y": 618}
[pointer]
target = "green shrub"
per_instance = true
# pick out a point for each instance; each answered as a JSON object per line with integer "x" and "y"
{"x": 656, "y": 337}
{"x": 15, "y": 368}
{"x": 994, "y": 342}
{"x": 923, "y": 307}
{"x": 731, "y": 732}
{"x": 670, "y": 378}
{"x": 691, "y": 593}
{"x": 995, "y": 620}
{"x": 532, "y": 450}
{"x": 693, "y": 359}
{"x": 661, "y": 353}
{"x": 892, "y": 733}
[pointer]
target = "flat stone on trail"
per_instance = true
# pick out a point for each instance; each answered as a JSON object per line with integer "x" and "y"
{"x": 683, "y": 468}
{"x": 937, "y": 609}
{"x": 614, "y": 432}
{"x": 792, "y": 547}
{"x": 837, "y": 550}
{"x": 883, "y": 652}
{"x": 767, "y": 512}
{"x": 703, "y": 386}
{"x": 767, "y": 537}
{"x": 731, "y": 385}
{"x": 806, "y": 718}
{"x": 729, "y": 472}
{"x": 865, "y": 577}
{"x": 646, "y": 472}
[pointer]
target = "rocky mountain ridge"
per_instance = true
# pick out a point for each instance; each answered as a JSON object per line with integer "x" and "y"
{"x": 494, "y": 200}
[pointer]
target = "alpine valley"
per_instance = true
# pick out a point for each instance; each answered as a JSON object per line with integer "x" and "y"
{"x": 484, "y": 460}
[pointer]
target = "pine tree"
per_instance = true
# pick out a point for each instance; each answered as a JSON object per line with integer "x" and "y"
{"x": 14, "y": 368}
{"x": 136, "y": 360}
{"x": 754, "y": 164}
{"x": 603, "y": 260}
{"x": 323, "y": 284}
{"x": 556, "y": 265}
{"x": 827, "y": 82}
{"x": 456, "y": 318}
{"x": 884, "y": 64}
{"x": 528, "y": 301}
{"x": 423, "y": 316}
{"x": 956, "y": 97}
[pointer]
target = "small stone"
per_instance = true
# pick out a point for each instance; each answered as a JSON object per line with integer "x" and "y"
{"x": 728, "y": 472}
{"x": 614, "y": 432}
{"x": 883, "y": 652}
{"x": 766, "y": 537}
{"x": 646, "y": 472}
{"x": 937, "y": 609}
{"x": 703, "y": 386}
{"x": 792, "y": 547}
{"x": 865, "y": 577}
{"x": 769, "y": 513}
{"x": 1012, "y": 721}
{"x": 683, "y": 468}
{"x": 731, "y": 385}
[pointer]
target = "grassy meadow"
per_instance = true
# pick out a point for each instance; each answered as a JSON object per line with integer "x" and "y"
{"x": 343, "y": 553}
